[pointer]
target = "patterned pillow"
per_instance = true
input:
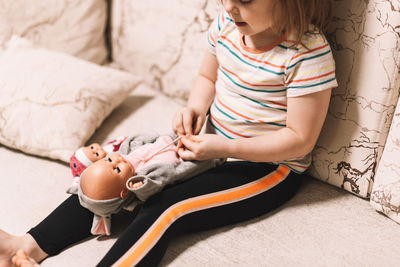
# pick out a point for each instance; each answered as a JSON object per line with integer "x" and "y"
{"x": 51, "y": 103}
{"x": 72, "y": 26}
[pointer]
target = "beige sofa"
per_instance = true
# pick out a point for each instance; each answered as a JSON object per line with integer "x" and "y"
{"x": 52, "y": 103}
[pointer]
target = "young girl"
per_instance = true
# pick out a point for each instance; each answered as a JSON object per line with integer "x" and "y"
{"x": 265, "y": 84}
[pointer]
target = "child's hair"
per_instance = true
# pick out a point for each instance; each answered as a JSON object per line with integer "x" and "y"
{"x": 295, "y": 16}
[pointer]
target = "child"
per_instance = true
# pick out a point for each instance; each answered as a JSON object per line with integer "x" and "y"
{"x": 266, "y": 83}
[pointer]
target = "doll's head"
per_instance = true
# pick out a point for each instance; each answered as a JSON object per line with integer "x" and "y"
{"x": 106, "y": 178}
{"x": 84, "y": 157}
{"x": 94, "y": 152}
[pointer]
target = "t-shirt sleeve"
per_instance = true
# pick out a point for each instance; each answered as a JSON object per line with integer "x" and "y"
{"x": 311, "y": 69}
{"x": 214, "y": 31}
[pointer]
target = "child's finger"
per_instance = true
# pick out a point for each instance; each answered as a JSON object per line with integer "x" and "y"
{"x": 185, "y": 154}
{"x": 177, "y": 125}
{"x": 190, "y": 142}
{"x": 187, "y": 123}
{"x": 198, "y": 125}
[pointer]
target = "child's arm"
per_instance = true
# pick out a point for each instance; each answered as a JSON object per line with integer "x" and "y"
{"x": 305, "y": 117}
{"x": 190, "y": 119}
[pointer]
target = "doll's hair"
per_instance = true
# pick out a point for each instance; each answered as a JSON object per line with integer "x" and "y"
{"x": 296, "y": 16}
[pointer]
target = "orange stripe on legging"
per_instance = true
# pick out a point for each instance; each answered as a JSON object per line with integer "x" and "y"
{"x": 154, "y": 233}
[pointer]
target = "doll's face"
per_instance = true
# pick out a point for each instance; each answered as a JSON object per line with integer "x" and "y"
{"x": 106, "y": 178}
{"x": 94, "y": 152}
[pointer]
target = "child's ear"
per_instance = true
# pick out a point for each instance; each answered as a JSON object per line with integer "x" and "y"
{"x": 124, "y": 193}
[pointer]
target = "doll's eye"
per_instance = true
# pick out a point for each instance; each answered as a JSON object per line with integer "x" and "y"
{"x": 109, "y": 160}
{"x": 97, "y": 154}
{"x": 117, "y": 170}
{"x": 91, "y": 147}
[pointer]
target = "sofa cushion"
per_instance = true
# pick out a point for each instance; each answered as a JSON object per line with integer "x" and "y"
{"x": 366, "y": 48}
{"x": 163, "y": 41}
{"x": 385, "y": 196}
{"x": 72, "y": 26}
{"x": 51, "y": 103}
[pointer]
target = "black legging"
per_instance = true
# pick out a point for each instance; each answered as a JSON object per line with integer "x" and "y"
{"x": 233, "y": 192}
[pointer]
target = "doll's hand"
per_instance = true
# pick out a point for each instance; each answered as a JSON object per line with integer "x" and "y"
{"x": 203, "y": 147}
{"x": 187, "y": 121}
{"x": 135, "y": 185}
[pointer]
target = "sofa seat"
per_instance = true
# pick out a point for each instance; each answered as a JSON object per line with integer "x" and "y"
{"x": 321, "y": 226}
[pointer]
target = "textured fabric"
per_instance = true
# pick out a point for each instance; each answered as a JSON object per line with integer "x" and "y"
{"x": 253, "y": 84}
{"x": 365, "y": 40}
{"x": 71, "y": 26}
{"x": 385, "y": 196}
{"x": 162, "y": 41}
{"x": 51, "y": 102}
{"x": 162, "y": 150}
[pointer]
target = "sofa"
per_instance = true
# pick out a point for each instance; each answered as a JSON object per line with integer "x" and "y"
{"x": 76, "y": 72}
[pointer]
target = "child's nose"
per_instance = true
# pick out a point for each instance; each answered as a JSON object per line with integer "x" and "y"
{"x": 229, "y": 6}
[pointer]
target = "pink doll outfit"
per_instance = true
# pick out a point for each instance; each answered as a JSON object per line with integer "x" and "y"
{"x": 162, "y": 150}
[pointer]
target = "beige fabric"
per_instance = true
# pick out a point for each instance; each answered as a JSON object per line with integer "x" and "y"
{"x": 366, "y": 46}
{"x": 72, "y": 26}
{"x": 321, "y": 226}
{"x": 163, "y": 41}
{"x": 385, "y": 196}
{"x": 51, "y": 103}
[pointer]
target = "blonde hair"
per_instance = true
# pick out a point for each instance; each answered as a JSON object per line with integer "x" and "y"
{"x": 296, "y": 16}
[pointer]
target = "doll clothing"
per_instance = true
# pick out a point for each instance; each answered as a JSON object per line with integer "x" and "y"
{"x": 156, "y": 174}
{"x": 157, "y": 165}
{"x": 79, "y": 162}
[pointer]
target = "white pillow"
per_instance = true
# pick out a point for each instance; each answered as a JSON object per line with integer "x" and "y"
{"x": 51, "y": 103}
{"x": 75, "y": 27}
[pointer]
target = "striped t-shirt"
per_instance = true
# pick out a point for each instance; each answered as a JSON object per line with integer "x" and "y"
{"x": 253, "y": 84}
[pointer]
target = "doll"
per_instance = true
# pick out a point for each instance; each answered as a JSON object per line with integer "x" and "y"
{"x": 142, "y": 166}
{"x": 85, "y": 156}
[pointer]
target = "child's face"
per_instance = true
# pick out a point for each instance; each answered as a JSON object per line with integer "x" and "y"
{"x": 106, "y": 178}
{"x": 251, "y": 17}
{"x": 94, "y": 152}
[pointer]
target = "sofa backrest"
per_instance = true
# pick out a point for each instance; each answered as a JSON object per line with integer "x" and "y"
{"x": 365, "y": 40}
{"x": 164, "y": 42}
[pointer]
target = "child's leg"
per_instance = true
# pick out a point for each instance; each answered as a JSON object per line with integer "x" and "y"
{"x": 231, "y": 193}
{"x": 66, "y": 225}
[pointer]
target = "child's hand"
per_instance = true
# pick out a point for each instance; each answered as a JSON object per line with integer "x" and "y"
{"x": 187, "y": 121}
{"x": 203, "y": 147}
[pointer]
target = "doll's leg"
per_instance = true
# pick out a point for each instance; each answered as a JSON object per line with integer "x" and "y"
{"x": 66, "y": 225}
{"x": 231, "y": 193}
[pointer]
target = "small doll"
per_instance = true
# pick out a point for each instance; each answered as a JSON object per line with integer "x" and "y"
{"x": 142, "y": 166}
{"x": 87, "y": 155}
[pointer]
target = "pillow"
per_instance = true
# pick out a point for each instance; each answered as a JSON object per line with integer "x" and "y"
{"x": 72, "y": 26}
{"x": 51, "y": 103}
